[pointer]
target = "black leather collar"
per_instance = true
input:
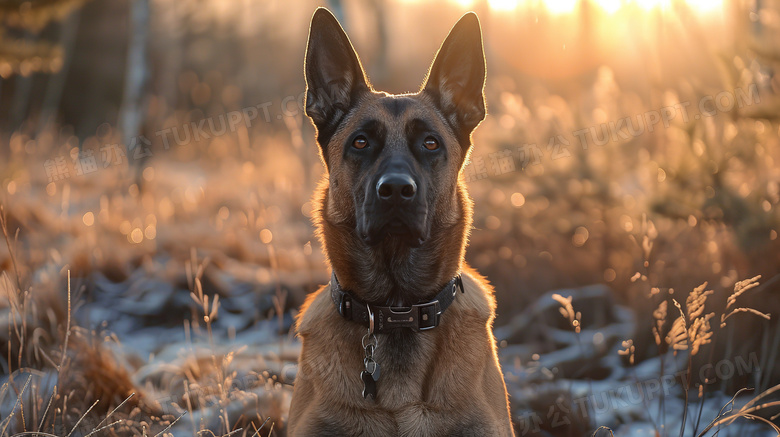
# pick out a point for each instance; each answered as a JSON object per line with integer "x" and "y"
{"x": 419, "y": 317}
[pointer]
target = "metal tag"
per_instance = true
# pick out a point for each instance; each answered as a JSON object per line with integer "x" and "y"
{"x": 369, "y": 385}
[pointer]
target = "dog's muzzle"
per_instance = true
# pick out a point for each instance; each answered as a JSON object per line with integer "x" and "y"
{"x": 394, "y": 206}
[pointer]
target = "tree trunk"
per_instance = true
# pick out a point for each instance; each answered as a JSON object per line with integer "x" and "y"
{"x": 54, "y": 87}
{"x": 133, "y": 110}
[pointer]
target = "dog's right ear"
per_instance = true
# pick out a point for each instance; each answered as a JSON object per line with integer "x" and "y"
{"x": 334, "y": 76}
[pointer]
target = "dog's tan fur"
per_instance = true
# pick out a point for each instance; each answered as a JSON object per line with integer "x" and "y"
{"x": 442, "y": 382}
{"x": 456, "y": 387}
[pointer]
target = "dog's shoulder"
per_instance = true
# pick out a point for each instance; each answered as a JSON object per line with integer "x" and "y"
{"x": 478, "y": 294}
{"x": 315, "y": 305}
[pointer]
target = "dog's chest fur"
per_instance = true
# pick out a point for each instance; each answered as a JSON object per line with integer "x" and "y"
{"x": 440, "y": 380}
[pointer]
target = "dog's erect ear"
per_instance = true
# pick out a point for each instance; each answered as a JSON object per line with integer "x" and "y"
{"x": 334, "y": 76}
{"x": 457, "y": 76}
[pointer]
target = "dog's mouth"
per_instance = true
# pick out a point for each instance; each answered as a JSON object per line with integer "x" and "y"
{"x": 394, "y": 228}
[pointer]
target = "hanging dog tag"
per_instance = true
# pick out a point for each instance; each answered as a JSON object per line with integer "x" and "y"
{"x": 369, "y": 385}
{"x": 372, "y": 367}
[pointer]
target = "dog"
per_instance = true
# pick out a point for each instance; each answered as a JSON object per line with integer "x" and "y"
{"x": 400, "y": 341}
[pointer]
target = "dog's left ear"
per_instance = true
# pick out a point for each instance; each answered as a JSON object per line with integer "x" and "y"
{"x": 456, "y": 79}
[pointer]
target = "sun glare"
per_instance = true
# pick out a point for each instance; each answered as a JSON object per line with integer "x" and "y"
{"x": 560, "y": 6}
{"x": 706, "y": 5}
{"x": 608, "y": 6}
{"x": 465, "y": 3}
{"x": 503, "y": 5}
{"x": 653, "y": 4}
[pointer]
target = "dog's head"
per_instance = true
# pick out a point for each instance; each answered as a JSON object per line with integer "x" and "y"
{"x": 393, "y": 161}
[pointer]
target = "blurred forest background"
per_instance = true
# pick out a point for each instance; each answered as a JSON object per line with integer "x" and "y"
{"x": 156, "y": 170}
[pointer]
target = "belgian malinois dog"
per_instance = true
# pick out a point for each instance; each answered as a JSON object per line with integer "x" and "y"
{"x": 400, "y": 342}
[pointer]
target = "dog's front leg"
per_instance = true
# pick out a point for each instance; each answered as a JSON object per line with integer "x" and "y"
{"x": 422, "y": 419}
{"x": 464, "y": 394}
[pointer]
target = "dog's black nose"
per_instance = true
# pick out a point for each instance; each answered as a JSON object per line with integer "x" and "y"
{"x": 396, "y": 187}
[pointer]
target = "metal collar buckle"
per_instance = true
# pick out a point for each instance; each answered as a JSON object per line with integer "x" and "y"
{"x": 429, "y": 314}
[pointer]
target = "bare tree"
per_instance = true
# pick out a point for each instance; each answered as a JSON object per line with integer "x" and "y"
{"x": 133, "y": 109}
{"x": 54, "y": 87}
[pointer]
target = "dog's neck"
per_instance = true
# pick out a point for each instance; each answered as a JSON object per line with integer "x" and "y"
{"x": 392, "y": 273}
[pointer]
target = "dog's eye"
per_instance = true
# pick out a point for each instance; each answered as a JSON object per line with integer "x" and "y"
{"x": 360, "y": 143}
{"x": 431, "y": 143}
